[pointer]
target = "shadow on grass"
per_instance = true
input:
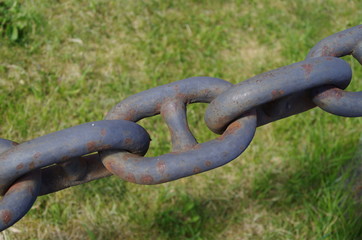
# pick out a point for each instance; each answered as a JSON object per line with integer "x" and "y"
{"x": 324, "y": 185}
{"x": 190, "y": 218}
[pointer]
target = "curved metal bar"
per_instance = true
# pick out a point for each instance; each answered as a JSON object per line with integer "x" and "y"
{"x": 60, "y": 146}
{"x": 339, "y": 44}
{"x": 332, "y": 99}
{"x": 261, "y": 89}
{"x": 20, "y": 197}
{"x": 148, "y": 103}
{"x": 171, "y": 166}
{"x": 338, "y": 102}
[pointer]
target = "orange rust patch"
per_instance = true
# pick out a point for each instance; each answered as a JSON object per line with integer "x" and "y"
{"x": 20, "y": 166}
{"x": 307, "y": 68}
{"x": 91, "y": 146}
{"x": 277, "y": 93}
{"x": 325, "y": 51}
{"x": 338, "y": 94}
{"x": 31, "y": 165}
{"x": 117, "y": 169}
{"x": 208, "y": 163}
{"x": 197, "y": 146}
{"x": 233, "y": 128}
{"x": 108, "y": 165}
{"x": 197, "y": 170}
{"x": 130, "y": 178}
{"x": 130, "y": 114}
{"x": 147, "y": 179}
{"x": 6, "y": 216}
{"x": 333, "y": 93}
{"x": 161, "y": 167}
{"x": 37, "y": 155}
{"x": 103, "y": 132}
{"x": 128, "y": 141}
{"x": 16, "y": 187}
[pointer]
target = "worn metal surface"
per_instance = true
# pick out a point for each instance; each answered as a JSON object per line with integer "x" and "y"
{"x": 117, "y": 145}
{"x": 19, "y": 198}
{"x": 189, "y": 161}
{"x": 73, "y": 142}
{"x": 332, "y": 99}
{"x": 270, "y": 86}
{"x": 188, "y": 157}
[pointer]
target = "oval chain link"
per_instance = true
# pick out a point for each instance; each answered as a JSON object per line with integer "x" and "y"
{"x": 273, "y": 85}
{"x": 188, "y": 157}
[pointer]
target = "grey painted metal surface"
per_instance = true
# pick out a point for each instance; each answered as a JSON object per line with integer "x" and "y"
{"x": 329, "y": 98}
{"x": 272, "y": 85}
{"x": 117, "y": 145}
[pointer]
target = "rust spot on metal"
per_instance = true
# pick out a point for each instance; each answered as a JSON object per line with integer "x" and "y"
{"x": 20, "y": 166}
{"x": 277, "y": 94}
{"x": 233, "y": 127}
{"x": 308, "y": 69}
{"x": 65, "y": 158}
{"x": 108, "y": 165}
{"x": 128, "y": 141}
{"x": 208, "y": 163}
{"x": 335, "y": 93}
{"x": 91, "y": 146}
{"x": 338, "y": 94}
{"x": 197, "y": 146}
{"x": 130, "y": 114}
{"x": 6, "y": 216}
{"x": 37, "y": 155}
{"x": 31, "y": 165}
{"x": 103, "y": 132}
{"x": 161, "y": 167}
{"x": 326, "y": 51}
{"x": 130, "y": 178}
{"x": 147, "y": 179}
{"x": 16, "y": 187}
{"x": 197, "y": 170}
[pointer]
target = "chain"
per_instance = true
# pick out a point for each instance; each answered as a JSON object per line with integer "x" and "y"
{"x": 117, "y": 145}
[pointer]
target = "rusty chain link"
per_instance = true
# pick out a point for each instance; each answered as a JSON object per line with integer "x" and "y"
{"x": 117, "y": 144}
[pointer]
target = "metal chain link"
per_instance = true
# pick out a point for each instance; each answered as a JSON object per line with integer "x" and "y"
{"x": 117, "y": 145}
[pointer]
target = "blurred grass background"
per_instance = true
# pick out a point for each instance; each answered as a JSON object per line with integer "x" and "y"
{"x": 67, "y": 62}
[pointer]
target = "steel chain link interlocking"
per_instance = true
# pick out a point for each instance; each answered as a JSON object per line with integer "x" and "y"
{"x": 117, "y": 145}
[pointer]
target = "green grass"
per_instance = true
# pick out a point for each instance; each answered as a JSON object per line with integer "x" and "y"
{"x": 72, "y": 61}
